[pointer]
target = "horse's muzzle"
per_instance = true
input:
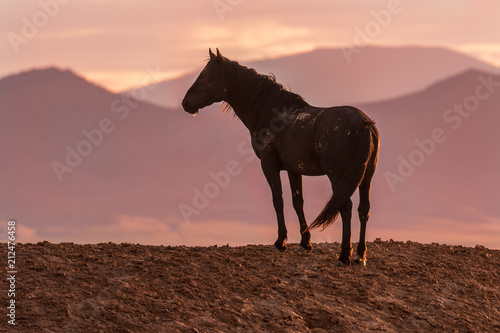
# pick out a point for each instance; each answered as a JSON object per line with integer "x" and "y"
{"x": 188, "y": 107}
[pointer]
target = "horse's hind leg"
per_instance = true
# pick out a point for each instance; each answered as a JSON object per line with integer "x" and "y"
{"x": 298, "y": 205}
{"x": 346, "y": 247}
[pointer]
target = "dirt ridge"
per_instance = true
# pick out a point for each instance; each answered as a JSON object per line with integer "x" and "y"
{"x": 109, "y": 287}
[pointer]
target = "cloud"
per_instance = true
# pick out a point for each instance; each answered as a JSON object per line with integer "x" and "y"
{"x": 489, "y": 52}
{"x": 154, "y": 231}
{"x": 23, "y": 233}
{"x": 429, "y": 229}
{"x": 121, "y": 80}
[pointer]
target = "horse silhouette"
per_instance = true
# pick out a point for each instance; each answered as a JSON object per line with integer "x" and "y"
{"x": 289, "y": 134}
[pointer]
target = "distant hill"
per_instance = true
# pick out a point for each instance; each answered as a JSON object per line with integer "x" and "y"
{"x": 327, "y": 77}
{"x": 148, "y": 159}
{"x": 43, "y": 112}
{"x": 439, "y": 158}
{"x": 85, "y": 165}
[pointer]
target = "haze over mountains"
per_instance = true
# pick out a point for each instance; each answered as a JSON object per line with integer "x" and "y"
{"x": 346, "y": 76}
{"x": 83, "y": 164}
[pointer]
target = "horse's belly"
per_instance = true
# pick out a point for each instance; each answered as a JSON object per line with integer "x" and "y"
{"x": 307, "y": 170}
{"x": 301, "y": 159}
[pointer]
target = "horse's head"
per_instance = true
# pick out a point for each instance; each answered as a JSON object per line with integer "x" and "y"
{"x": 208, "y": 87}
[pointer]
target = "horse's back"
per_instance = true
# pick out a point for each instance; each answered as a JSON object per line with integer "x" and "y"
{"x": 346, "y": 115}
{"x": 339, "y": 123}
{"x": 343, "y": 132}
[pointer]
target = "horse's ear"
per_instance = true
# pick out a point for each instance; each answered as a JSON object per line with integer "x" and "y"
{"x": 219, "y": 56}
{"x": 212, "y": 55}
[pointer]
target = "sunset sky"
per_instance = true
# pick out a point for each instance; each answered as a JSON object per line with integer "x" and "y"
{"x": 113, "y": 42}
{"x": 118, "y": 44}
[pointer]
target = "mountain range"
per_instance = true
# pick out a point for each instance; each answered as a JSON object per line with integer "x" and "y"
{"x": 83, "y": 164}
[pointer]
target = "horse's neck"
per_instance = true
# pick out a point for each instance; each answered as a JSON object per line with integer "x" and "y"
{"x": 246, "y": 105}
{"x": 251, "y": 120}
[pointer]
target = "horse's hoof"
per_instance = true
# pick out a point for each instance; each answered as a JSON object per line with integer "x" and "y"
{"x": 274, "y": 248}
{"x": 342, "y": 264}
{"x": 304, "y": 249}
{"x": 359, "y": 261}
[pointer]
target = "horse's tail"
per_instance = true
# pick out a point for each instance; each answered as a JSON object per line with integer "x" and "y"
{"x": 364, "y": 143}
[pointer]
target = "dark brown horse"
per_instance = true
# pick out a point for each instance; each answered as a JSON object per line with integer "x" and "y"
{"x": 289, "y": 134}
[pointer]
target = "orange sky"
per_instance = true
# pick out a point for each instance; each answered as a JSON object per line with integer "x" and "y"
{"x": 114, "y": 42}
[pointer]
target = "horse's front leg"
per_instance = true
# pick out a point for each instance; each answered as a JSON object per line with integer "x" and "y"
{"x": 298, "y": 205}
{"x": 272, "y": 173}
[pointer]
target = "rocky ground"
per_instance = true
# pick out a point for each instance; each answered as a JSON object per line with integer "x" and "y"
{"x": 406, "y": 287}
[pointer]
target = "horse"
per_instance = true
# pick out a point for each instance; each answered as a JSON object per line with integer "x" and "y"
{"x": 288, "y": 134}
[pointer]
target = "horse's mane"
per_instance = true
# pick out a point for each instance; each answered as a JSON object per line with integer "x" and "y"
{"x": 256, "y": 95}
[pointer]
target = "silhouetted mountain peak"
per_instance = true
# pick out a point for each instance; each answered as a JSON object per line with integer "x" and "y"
{"x": 468, "y": 75}
{"x": 39, "y": 75}
{"x": 49, "y": 81}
